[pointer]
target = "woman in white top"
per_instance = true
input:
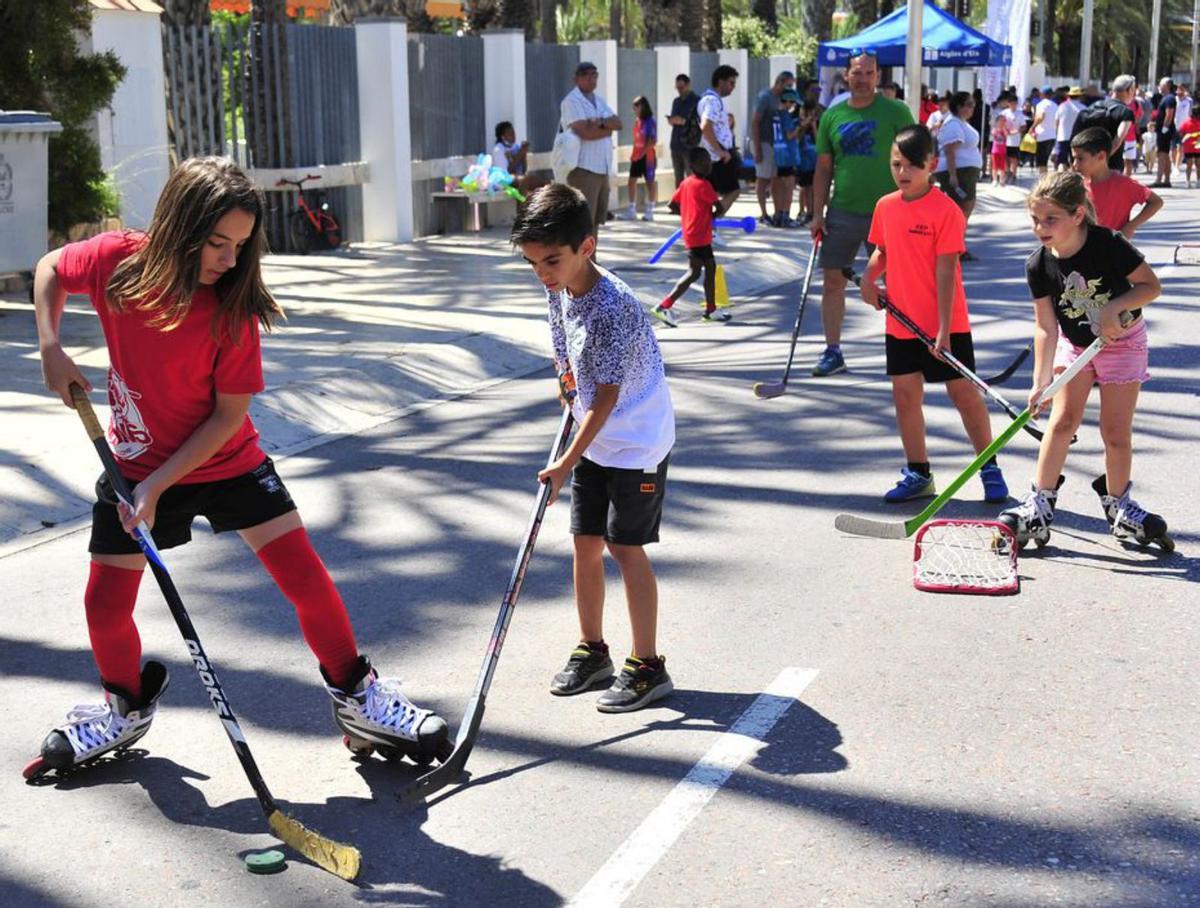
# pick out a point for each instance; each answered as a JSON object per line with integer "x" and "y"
{"x": 959, "y": 157}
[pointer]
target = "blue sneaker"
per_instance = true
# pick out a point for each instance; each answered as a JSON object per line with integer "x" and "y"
{"x": 911, "y": 485}
{"x": 995, "y": 489}
{"x": 831, "y": 362}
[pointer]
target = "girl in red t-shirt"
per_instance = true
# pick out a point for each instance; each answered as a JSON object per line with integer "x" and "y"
{"x": 643, "y": 159}
{"x": 181, "y": 306}
{"x": 919, "y": 235}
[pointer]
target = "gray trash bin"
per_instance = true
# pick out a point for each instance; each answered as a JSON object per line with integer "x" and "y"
{"x": 24, "y": 187}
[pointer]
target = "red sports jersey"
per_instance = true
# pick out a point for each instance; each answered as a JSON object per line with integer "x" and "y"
{"x": 912, "y": 236}
{"x": 1114, "y": 198}
{"x": 696, "y": 198}
{"x": 163, "y": 384}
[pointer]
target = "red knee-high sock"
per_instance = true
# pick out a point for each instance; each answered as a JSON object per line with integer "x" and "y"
{"x": 108, "y": 602}
{"x": 302, "y": 577}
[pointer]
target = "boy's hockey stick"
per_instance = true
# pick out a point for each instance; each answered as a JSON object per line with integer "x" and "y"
{"x": 468, "y": 729}
{"x": 1001, "y": 377}
{"x": 339, "y": 859}
{"x": 949, "y": 357}
{"x": 764, "y": 390}
{"x": 901, "y": 529}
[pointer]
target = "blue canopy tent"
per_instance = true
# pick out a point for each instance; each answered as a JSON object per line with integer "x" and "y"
{"x": 944, "y": 42}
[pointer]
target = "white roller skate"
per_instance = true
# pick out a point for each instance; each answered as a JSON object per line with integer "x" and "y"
{"x": 375, "y": 715}
{"x": 92, "y": 730}
{"x": 1031, "y": 518}
{"x": 1129, "y": 521}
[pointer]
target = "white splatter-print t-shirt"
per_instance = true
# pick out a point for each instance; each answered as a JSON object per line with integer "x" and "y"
{"x": 607, "y": 339}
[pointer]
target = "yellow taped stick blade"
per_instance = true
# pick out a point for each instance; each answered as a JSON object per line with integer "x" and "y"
{"x": 341, "y": 860}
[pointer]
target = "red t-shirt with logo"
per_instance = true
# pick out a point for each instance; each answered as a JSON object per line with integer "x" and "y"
{"x": 1114, "y": 199}
{"x": 695, "y": 198}
{"x": 912, "y": 235}
{"x": 1189, "y": 133}
{"x": 163, "y": 384}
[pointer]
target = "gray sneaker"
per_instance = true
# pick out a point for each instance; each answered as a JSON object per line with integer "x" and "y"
{"x": 586, "y": 667}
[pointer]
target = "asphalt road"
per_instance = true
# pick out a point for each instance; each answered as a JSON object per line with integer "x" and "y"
{"x": 1030, "y": 750}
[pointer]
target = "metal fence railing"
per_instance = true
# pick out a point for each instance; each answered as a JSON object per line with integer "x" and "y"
{"x": 549, "y": 75}
{"x": 269, "y": 97}
{"x": 445, "y": 96}
{"x": 637, "y": 74}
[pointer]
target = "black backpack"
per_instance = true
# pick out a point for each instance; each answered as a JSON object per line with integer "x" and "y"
{"x": 691, "y": 130}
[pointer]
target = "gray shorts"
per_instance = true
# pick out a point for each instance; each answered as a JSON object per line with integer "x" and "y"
{"x": 845, "y": 232}
{"x": 765, "y": 169}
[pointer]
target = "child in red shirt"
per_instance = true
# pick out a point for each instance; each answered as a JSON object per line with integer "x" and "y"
{"x": 697, "y": 203}
{"x": 1113, "y": 194}
{"x": 919, "y": 234}
{"x": 1189, "y": 136}
{"x": 181, "y": 306}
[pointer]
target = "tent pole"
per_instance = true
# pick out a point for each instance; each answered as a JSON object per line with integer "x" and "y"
{"x": 913, "y": 57}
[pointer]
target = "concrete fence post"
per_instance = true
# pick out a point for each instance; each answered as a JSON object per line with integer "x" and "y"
{"x": 673, "y": 60}
{"x": 504, "y": 81}
{"x": 382, "y": 52}
{"x": 132, "y": 131}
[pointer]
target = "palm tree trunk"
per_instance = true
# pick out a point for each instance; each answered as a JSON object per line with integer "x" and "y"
{"x": 549, "y": 21}
{"x": 691, "y": 23}
{"x": 766, "y": 11}
{"x": 614, "y": 19}
{"x": 713, "y": 26}
{"x": 191, "y": 57}
{"x": 818, "y": 18}
{"x": 866, "y": 11}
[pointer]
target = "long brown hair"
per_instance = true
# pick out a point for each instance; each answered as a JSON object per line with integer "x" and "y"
{"x": 1066, "y": 190}
{"x": 162, "y": 276}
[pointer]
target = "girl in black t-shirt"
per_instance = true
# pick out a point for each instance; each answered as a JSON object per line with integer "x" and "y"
{"x": 1083, "y": 279}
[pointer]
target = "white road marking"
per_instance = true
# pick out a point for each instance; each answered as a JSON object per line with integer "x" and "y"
{"x": 615, "y": 881}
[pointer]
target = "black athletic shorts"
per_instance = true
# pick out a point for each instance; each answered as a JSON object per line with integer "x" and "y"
{"x": 724, "y": 175}
{"x": 1012, "y": 151}
{"x": 785, "y": 172}
{"x": 700, "y": 256}
{"x": 228, "y": 504}
{"x": 908, "y": 355}
{"x": 804, "y": 178}
{"x": 623, "y": 506}
{"x": 1163, "y": 141}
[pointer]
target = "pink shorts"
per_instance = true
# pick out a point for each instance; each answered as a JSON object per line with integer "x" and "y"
{"x": 999, "y": 160}
{"x": 1118, "y": 363}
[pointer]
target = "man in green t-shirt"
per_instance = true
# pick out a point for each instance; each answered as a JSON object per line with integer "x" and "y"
{"x": 854, "y": 144}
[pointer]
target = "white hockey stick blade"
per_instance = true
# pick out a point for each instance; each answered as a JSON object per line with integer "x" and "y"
{"x": 865, "y": 526}
{"x": 764, "y": 390}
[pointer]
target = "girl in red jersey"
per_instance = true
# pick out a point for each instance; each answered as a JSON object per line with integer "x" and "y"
{"x": 919, "y": 234}
{"x": 181, "y": 306}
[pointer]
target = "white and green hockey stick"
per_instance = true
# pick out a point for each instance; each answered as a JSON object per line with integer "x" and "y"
{"x": 902, "y": 529}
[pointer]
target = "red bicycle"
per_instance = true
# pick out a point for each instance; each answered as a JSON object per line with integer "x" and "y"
{"x": 312, "y": 229}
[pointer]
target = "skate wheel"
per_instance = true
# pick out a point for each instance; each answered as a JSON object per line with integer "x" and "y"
{"x": 1166, "y": 543}
{"x": 422, "y": 759}
{"x": 1040, "y": 543}
{"x": 357, "y": 746}
{"x": 35, "y": 768}
{"x": 445, "y": 751}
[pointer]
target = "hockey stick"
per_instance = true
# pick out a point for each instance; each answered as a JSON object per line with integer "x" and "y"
{"x": 901, "y": 529}
{"x": 765, "y": 390}
{"x": 955, "y": 363}
{"x": 1001, "y": 377}
{"x": 339, "y": 859}
{"x": 468, "y": 730}
{"x": 747, "y": 224}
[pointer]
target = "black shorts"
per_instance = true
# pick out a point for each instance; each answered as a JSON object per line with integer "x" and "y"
{"x": 1163, "y": 141}
{"x": 1043, "y": 152}
{"x": 804, "y": 178}
{"x": 227, "y": 504}
{"x": 724, "y": 175}
{"x": 623, "y": 506}
{"x": 701, "y": 256}
{"x": 908, "y": 355}
{"x": 1012, "y": 152}
{"x": 639, "y": 171}
{"x": 785, "y": 172}
{"x": 1191, "y": 155}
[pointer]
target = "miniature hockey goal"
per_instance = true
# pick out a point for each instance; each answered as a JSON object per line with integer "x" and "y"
{"x": 966, "y": 556}
{"x": 1187, "y": 254}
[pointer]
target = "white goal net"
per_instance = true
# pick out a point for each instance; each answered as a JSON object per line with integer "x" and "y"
{"x": 965, "y": 556}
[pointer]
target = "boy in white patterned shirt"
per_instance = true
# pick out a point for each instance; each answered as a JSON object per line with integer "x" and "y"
{"x": 619, "y": 456}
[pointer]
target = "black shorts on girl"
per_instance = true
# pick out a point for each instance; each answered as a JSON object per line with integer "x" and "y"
{"x": 623, "y": 506}
{"x": 237, "y": 503}
{"x": 908, "y": 355}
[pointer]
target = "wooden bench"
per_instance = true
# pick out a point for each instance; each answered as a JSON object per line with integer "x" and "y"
{"x": 476, "y": 201}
